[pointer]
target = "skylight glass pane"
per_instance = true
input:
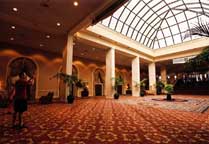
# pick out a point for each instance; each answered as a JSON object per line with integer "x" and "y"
{"x": 166, "y": 32}
{"x": 144, "y": 11}
{"x": 119, "y": 26}
{"x": 130, "y": 18}
{"x": 118, "y": 12}
{"x": 134, "y": 35}
{"x": 152, "y": 18}
{"x": 136, "y": 19}
{"x": 159, "y": 35}
{"x": 177, "y": 38}
{"x": 140, "y": 24}
{"x": 106, "y": 21}
{"x": 125, "y": 29}
{"x": 124, "y": 15}
{"x": 180, "y": 17}
{"x": 169, "y": 41}
{"x": 171, "y": 21}
{"x": 138, "y": 7}
{"x": 183, "y": 26}
{"x": 138, "y": 37}
{"x": 130, "y": 32}
{"x": 148, "y": 14}
{"x": 154, "y": 2}
{"x": 113, "y": 23}
{"x": 162, "y": 43}
{"x": 132, "y": 4}
{"x": 175, "y": 30}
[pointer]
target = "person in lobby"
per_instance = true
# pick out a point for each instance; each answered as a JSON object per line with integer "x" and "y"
{"x": 20, "y": 99}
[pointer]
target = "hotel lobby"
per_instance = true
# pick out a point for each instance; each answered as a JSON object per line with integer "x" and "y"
{"x": 81, "y": 55}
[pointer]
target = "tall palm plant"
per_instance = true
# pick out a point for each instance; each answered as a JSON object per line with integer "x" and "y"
{"x": 69, "y": 80}
{"x": 199, "y": 29}
{"x": 201, "y": 60}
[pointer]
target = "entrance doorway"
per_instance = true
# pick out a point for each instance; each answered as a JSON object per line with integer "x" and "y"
{"x": 98, "y": 89}
{"x": 22, "y": 64}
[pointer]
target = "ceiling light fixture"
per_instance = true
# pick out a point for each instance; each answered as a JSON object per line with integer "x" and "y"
{"x": 75, "y": 3}
{"x": 48, "y": 36}
{"x": 58, "y": 24}
{"x": 13, "y": 27}
{"x": 11, "y": 38}
{"x": 15, "y": 9}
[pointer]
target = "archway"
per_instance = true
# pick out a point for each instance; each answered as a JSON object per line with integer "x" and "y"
{"x": 18, "y": 65}
{"x": 99, "y": 82}
{"x": 120, "y": 87}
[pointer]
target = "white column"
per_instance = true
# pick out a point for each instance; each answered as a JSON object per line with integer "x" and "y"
{"x": 163, "y": 74}
{"x": 67, "y": 63}
{"x": 110, "y": 73}
{"x": 135, "y": 76}
{"x": 152, "y": 77}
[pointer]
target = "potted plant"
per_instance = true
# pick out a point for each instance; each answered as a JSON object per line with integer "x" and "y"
{"x": 70, "y": 80}
{"x": 159, "y": 86}
{"x": 169, "y": 90}
{"x": 142, "y": 85}
{"x": 118, "y": 81}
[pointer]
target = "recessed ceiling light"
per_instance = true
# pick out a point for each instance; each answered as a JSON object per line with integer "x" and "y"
{"x": 47, "y": 36}
{"x": 11, "y": 38}
{"x": 13, "y": 27}
{"x": 41, "y": 45}
{"x": 75, "y": 3}
{"x": 15, "y": 9}
{"x": 58, "y": 24}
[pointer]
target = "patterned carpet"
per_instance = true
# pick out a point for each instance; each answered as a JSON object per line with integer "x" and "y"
{"x": 106, "y": 121}
{"x": 183, "y": 103}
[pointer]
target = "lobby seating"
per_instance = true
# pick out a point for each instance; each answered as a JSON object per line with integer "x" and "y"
{"x": 47, "y": 99}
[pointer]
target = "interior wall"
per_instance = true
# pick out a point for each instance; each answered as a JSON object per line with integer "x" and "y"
{"x": 86, "y": 69}
{"x": 48, "y": 64}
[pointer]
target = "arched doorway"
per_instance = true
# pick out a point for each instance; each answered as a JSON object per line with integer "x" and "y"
{"x": 120, "y": 87}
{"x": 99, "y": 82}
{"x": 18, "y": 65}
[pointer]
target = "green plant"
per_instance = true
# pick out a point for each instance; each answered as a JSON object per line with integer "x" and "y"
{"x": 168, "y": 88}
{"x": 159, "y": 86}
{"x": 142, "y": 85}
{"x": 69, "y": 80}
{"x": 117, "y": 81}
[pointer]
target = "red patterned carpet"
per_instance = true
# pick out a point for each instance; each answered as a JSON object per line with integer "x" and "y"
{"x": 98, "y": 121}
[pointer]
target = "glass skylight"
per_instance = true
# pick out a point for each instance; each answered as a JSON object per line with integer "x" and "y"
{"x": 158, "y": 23}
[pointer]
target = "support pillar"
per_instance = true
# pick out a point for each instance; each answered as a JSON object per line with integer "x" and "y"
{"x": 152, "y": 77}
{"x": 135, "y": 76}
{"x": 67, "y": 64}
{"x": 110, "y": 73}
{"x": 163, "y": 74}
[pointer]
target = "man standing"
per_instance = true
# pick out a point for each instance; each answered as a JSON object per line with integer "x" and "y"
{"x": 20, "y": 99}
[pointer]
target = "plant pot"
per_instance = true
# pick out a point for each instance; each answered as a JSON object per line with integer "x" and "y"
{"x": 159, "y": 91}
{"x": 142, "y": 93}
{"x": 168, "y": 97}
{"x": 116, "y": 96}
{"x": 84, "y": 93}
{"x": 70, "y": 99}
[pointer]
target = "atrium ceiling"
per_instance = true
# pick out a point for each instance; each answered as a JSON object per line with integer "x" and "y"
{"x": 158, "y": 23}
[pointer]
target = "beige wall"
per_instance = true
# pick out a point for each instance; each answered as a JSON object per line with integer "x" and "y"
{"x": 86, "y": 69}
{"x": 48, "y": 64}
